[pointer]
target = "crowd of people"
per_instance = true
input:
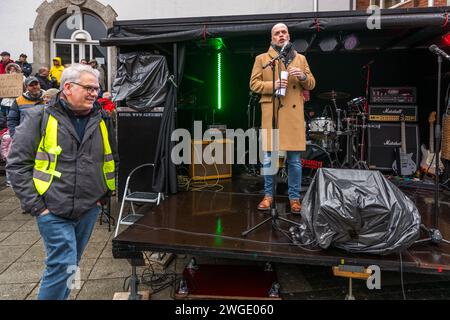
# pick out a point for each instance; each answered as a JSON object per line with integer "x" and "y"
{"x": 38, "y": 91}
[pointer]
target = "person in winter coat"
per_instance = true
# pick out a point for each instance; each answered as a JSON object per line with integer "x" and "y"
{"x": 290, "y": 117}
{"x": 26, "y": 67}
{"x": 31, "y": 97}
{"x": 101, "y": 79}
{"x": 6, "y": 59}
{"x": 106, "y": 102}
{"x": 62, "y": 168}
{"x": 42, "y": 76}
{"x": 49, "y": 95}
{"x": 6, "y": 103}
{"x": 56, "y": 71}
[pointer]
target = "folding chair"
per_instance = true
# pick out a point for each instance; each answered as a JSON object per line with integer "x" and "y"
{"x": 135, "y": 196}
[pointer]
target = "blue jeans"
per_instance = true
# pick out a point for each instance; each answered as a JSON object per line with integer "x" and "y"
{"x": 294, "y": 174}
{"x": 65, "y": 241}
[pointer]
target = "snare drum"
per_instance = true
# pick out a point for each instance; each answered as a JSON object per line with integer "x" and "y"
{"x": 322, "y": 125}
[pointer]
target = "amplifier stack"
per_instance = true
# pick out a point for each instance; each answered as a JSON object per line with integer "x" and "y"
{"x": 387, "y": 105}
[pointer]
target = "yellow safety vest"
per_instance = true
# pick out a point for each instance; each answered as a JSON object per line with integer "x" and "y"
{"x": 48, "y": 151}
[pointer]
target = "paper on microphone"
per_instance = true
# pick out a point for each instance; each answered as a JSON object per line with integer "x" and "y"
{"x": 282, "y": 91}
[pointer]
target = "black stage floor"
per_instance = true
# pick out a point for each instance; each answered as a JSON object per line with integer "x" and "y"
{"x": 208, "y": 223}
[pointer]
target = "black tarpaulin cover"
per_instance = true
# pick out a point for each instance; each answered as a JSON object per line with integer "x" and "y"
{"x": 358, "y": 211}
{"x": 140, "y": 80}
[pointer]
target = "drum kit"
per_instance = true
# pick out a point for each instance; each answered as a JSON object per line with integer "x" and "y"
{"x": 334, "y": 141}
{"x": 341, "y": 135}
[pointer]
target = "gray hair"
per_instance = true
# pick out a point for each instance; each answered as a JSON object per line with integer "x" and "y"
{"x": 51, "y": 92}
{"x": 73, "y": 73}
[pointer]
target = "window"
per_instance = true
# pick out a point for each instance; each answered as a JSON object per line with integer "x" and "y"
{"x": 94, "y": 26}
{"x": 72, "y": 44}
{"x": 63, "y": 31}
{"x": 64, "y": 51}
{"x": 90, "y": 23}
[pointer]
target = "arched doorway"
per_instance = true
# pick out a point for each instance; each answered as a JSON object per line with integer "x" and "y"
{"x": 53, "y": 36}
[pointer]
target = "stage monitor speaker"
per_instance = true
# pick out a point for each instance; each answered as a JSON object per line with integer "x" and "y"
{"x": 200, "y": 170}
{"x": 383, "y": 138}
{"x": 137, "y": 136}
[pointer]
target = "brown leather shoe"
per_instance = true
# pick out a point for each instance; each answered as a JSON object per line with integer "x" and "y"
{"x": 265, "y": 203}
{"x": 296, "y": 206}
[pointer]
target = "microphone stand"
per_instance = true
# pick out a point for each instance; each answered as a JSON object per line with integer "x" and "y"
{"x": 271, "y": 63}
{"x": 251, "y": 168}
{"x": 361, "y": 163}
{"x": 274, "y": 216}
{"x": 251, "y": 110}
{"x": 434, "y": 235}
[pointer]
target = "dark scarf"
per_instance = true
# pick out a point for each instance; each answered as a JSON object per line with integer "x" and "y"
{"x": 79, "y": 121}
{"x": 290, "y": 54}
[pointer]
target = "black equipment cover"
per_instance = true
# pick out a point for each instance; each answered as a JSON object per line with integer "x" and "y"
{"x": 358, "y": 211}
{"x": 140, "y": 81}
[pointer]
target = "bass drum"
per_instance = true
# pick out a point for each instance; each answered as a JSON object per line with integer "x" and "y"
{"x": 313, "y": 158}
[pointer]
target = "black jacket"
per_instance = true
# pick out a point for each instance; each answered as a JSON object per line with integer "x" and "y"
{"x": 44, "y": 82}
{"x": 22, "y": 103}
{"x": 26, "y": 68}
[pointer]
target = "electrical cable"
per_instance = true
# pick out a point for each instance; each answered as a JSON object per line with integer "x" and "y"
{"x": 202, "y": 185}
{"x": 226, "y": 237}
{"x": 401, "y": 276}
{"x": 157, "y": 282}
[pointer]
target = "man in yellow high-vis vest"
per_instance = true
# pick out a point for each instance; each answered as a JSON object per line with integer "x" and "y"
{"x": 62, "y": 166}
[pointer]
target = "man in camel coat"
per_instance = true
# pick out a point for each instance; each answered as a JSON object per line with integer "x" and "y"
{"x": 289, "y": 110}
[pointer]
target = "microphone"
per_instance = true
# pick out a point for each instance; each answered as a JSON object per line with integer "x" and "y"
{"x": 283, "y": 53}
{"x": 286, "y": 47}
{"x": 434, "y": 48}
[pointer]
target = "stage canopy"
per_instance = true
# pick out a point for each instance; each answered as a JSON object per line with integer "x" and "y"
{"x": 399, "y": 29}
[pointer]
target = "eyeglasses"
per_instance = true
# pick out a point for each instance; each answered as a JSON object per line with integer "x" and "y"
{"x": 89, "y": 89}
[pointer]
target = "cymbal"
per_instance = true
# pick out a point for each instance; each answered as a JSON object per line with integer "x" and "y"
{"x": 330, "y": 95}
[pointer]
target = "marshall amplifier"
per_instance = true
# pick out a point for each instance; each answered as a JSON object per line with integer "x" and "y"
{"x": 383, "y": 138}
{"x": 389, "y": 112}
{"x": 392, "y": 95}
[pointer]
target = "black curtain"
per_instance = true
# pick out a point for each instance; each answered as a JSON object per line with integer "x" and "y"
{"x": 165, "y": 175}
